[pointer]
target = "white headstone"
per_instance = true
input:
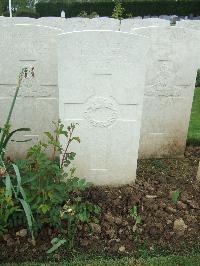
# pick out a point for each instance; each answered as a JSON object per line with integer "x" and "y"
{"x": 191, "y": 24}
{"x": 130, "y": 24}
{"x": 165, "y": 17}
{"x": 36, "y": 106}
{"x": 170, "y": 82}
{"x": 102, "y": 23}
{"x": 101, "y": 86}
{"x": 79, "y": 24}
{"x": 62, "y": 14}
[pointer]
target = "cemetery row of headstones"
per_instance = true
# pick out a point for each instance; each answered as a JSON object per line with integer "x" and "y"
{"x": 129, "y": 88}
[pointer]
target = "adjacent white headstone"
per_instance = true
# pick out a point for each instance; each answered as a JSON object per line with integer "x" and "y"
{"x": 170, "y": 82}
{"x": 101, "y": 86}
{"x": 79, "y": 24}
{"x": 102, "y": 23}
{"x": 191, "y": 24}
{"x": 165, "y": 17}
{"x": 130, "y": 24}
{"x": 16, "y": 20}
{"x": 62, "y": 14}
{"x": 37, "y": 102}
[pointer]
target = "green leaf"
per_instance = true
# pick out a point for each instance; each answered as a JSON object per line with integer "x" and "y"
{"x": 17, "y": 174}
{"x": 138, "y": 220}
{"x": 49, "y": 135}
{"x": 97, "y": 209}
{"x": 21, "y": 190}
{"x": 134, "y": 211}
{"x": 28, "y": 214}
{"x": 55, "y": 240}
{"x": 78, "y": 199}
{"x": 65, "y": 133}
{"x": 8, "y": 186}
{"x": 56, "y": 244}
{"x": 19, "y": 180}
{"x": 29, "y": 179}
{"x": 82, "y": 184}
{"x": 134, "y": 214}
{"x": 12, "y": 133}
{"x": 175, "y": 195}
{"x": 44, "y": 208}
{"x": 77, "y": 139}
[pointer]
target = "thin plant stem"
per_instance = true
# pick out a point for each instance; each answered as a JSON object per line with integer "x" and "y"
{"x": 6, "y": 125}
{"x": 65, "y": 153}
{"x": 9, "y": 117}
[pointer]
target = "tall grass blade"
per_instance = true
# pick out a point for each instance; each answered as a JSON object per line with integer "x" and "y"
{"x": 8, "y": 186}
{"x": 29, "y": 215}
{"x": 19, "y": 181}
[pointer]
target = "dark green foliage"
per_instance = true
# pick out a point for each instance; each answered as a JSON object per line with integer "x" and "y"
{"x": 20, "y": 8}
{"x": 44, "y": 178}
{"x": 26, "y": 12}
{"x": 105, "y": 8}
{"x": 7, "y": 208}
{"x": 54, "y": 194}
{"x": 193, "y": 137}
{"x": 3, "y": 6}
{"x": 6, "y": 14}
{"x": 198, "y": 79}
{"x": 43, "y": 190}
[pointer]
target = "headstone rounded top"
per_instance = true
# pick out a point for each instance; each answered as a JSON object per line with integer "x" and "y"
{"x": 62, "y": 14}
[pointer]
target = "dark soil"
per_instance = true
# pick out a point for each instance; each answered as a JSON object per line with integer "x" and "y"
{"x": 165, "y": 224}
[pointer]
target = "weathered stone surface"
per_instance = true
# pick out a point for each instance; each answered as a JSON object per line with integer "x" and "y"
{"x": 128, "y": 25}
{"x": 96, "y": 90}
{"x": 37, "y": 102}
{"x": 79, "y": 24}
{"x": 170, "y": 77}
{"x": 170, "y": 82}
{"x": 192, "y": 24}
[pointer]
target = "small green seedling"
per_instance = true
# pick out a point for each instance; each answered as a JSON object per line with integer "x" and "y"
{"x": 136, "y": 216}
{"x": 175, "y": 195}
{"x": 56, "y": 244}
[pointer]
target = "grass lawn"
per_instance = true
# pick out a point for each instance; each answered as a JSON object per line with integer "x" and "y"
{"x": 160, "y": 261}
{"x": 194, "y": 127}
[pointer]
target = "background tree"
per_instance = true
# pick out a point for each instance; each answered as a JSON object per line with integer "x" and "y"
{"x": 16, "y": 4}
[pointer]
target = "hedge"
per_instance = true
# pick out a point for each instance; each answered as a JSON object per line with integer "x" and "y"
{"x": 26, "y": 12}
{"x": 198, "y": 79}
{"x": 135, "y": 7}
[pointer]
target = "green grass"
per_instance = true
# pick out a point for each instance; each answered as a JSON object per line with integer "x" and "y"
{"x": 174, "y": 261}
{"x": 160, "y": 261}
{"x": 194, "y": 126}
